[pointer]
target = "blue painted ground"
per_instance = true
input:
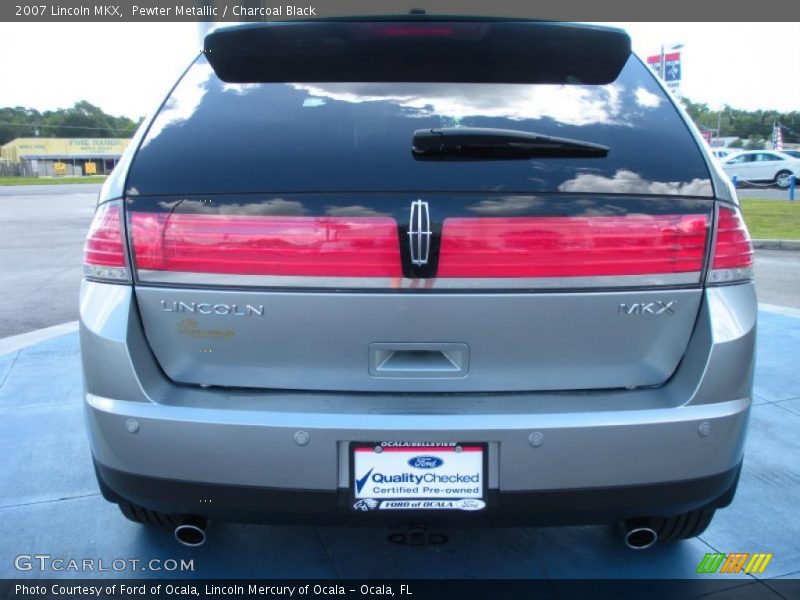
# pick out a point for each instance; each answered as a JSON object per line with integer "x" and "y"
{"x": 49, "y": 501}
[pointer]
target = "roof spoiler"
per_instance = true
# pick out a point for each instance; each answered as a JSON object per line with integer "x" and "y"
{"x": 422, "y": 49}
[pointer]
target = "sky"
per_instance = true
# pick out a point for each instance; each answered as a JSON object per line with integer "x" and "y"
{"x": 127, "y": 68}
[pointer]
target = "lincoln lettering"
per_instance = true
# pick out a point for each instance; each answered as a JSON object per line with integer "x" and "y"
{"x": 206, "y": 308}
{"x": 67, "y": 11}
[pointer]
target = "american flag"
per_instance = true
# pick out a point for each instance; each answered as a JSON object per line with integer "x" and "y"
{"x": 777, "y": 137}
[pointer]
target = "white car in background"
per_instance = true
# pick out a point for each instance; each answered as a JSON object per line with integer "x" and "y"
{"x": 763, "y": 166}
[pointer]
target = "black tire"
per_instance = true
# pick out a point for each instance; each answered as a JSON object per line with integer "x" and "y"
{"x": 683, "y": 527}
{"x": 145, "y": 516}
{"x": 782, "y": 179}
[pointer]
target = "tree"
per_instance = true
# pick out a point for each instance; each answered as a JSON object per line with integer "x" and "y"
{"x": 754, "y": 143}
{"x": 18, "y": 122}
{"x": 81, "y": 120}
{"x": 744, "y": 124}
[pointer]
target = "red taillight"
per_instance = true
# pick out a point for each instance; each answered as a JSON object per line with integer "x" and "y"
{"x": 104, "y": 251}
{"x": 733, "y": 252}
{"x": 559, "y": 246}
{"x": 255, "y": 245}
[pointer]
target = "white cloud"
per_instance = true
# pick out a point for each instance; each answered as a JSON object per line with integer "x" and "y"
{"x": 182, "y": 103}
{"x": 127, "y": 68}
{"x": 573, "y": 105}
{"x": 124, "y": 68}
{"x": 646, "y": 99}
{"x": 746, "y": 65}
{"x": 628, "y": 182}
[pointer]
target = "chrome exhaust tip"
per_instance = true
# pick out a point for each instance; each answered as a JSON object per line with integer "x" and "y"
{"x": 640, "y": 538}
{"x": 191, "y": 533}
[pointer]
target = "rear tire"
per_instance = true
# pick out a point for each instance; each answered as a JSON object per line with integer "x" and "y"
{"x": 783, "y": 179}
{"x": 145, "y": 516}
{"x": 684, "y": 526}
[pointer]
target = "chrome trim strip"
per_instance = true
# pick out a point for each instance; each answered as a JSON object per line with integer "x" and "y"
{"x": 389, "y": 283}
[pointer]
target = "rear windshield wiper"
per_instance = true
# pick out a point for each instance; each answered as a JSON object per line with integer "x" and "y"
{"x": 481, "y": 143}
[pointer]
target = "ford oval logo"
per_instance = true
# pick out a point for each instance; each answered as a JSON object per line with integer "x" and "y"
{"x": 425, "y": 462}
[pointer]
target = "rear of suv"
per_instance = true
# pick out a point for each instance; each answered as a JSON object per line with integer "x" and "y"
{"x": 419, "y": 270}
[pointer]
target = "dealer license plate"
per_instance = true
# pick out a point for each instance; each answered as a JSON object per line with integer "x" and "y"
{"x": 418, "y": 476}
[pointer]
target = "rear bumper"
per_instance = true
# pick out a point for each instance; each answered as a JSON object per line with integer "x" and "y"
{"x": 234, "y": 454}
{"x": 259, "y": 449}
{"x": 244, "y": 504}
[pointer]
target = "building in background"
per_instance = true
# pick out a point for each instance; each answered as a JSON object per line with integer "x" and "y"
{"x": 723, "y": 142}
{"x": 53, "y": 157}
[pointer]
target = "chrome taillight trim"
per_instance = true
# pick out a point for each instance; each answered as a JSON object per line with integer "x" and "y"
{"x": 433, "y": 283}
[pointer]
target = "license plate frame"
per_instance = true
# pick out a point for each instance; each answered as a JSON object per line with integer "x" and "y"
{"x": 397, "y": 456}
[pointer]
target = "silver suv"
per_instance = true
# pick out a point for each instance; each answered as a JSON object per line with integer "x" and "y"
{"x": 418, "y": 271}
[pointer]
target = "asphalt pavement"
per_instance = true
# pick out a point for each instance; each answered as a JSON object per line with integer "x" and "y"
{"x": 769, "y": 193}
{"x": 67, "y": 189}
{"x": 49, "y": 501}
{"x": 50, "y": 505}
{"x": 778, "y": 277}
{"x": 42, "y": 229}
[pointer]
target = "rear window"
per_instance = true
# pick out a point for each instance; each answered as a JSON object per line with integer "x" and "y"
{"x": 216, "y": 137}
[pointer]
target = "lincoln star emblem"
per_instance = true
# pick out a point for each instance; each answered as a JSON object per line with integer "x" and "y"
{"x": 419, "y": 233}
